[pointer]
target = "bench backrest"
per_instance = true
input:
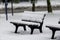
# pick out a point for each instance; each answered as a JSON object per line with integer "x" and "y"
{"x": 36, "y": 16}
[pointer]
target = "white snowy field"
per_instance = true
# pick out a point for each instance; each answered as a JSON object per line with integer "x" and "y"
{"x": 7, "y": 29}
{"x": 28, "y": 4}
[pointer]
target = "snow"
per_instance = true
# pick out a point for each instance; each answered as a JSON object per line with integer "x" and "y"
{"x": 7, "y": 29}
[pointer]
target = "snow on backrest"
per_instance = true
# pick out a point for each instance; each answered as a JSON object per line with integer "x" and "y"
{"x": 36, "y": 16}
{"x": 38, "y": 12}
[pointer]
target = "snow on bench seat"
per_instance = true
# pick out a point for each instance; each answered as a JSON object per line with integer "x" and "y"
{"x": 26, "y": 23}
{"x": 54, "y": 25}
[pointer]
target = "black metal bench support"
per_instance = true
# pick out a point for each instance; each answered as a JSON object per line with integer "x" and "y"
{"x": 40, "y": 28}
{"x": 24, "y": 28}
{"x": 32, "y": 27}
{"x": 53, "y": 33}
{"x": 32, "y": 31}
{"x": 16, "y": 29}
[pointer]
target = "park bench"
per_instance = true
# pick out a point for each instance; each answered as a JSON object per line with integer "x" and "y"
{"x": 24, "y": 24}
{"x": 53, "y": 28}
{"x": 33, "y": 17}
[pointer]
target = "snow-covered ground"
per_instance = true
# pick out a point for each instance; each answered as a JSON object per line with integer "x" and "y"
{"x": 28, "y": 4}
{"x": 7, "y": 29}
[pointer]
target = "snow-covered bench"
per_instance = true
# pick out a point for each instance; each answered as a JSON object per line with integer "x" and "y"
{"x": 53, "y": 28}
{"x": 35, "y": 17}
{"x": 24, "y": 24}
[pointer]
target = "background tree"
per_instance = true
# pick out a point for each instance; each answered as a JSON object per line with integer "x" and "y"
{"x": 33, "y": 5}
{"x": 49, "y": 8}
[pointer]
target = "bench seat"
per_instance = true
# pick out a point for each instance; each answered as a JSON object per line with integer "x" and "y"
{"x": 24, "y": 24}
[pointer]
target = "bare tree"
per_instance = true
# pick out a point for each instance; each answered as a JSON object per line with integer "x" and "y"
{"x": 33, "y": 5}
{"x": 49, "y": 8}
{"x": 12, "y": 6}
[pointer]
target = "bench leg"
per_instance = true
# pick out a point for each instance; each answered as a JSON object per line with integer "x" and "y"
{"x": 32, "y": 30}
{"x": 24, "y": 28}
{"x": 40, "y": 29}
{"x": 53, "y": 33}
{"x": 16, "y": 29}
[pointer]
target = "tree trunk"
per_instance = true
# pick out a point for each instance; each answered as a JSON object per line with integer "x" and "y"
{"x": 33, "y": 7}
{"x": 49, "y": 8}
